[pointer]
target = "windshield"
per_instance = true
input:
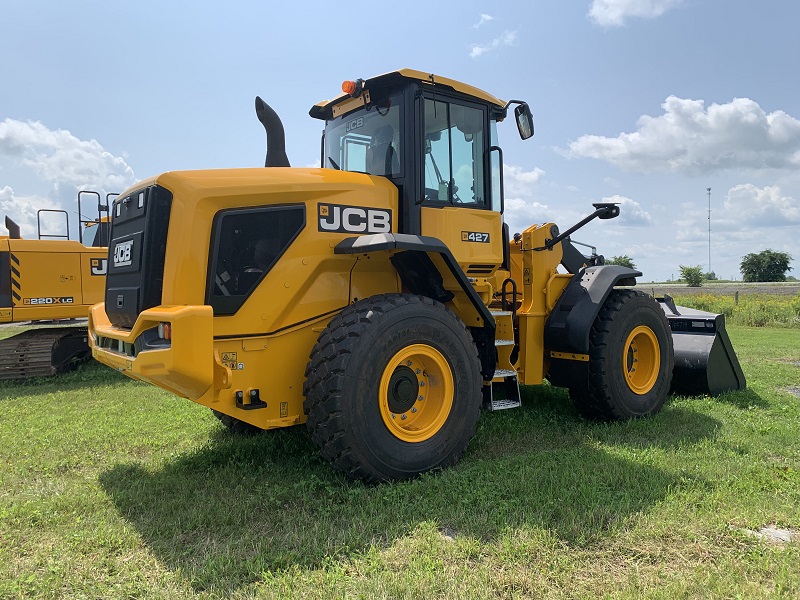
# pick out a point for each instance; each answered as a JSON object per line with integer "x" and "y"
{"x": 90, "y": 233}
{"x": 366, "y": 140}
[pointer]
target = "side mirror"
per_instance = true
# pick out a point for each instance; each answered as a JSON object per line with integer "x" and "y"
{"x": 524, "y": 118}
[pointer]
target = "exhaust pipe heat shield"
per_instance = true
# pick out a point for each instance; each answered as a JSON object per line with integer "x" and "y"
{"x": 705, "y": 362}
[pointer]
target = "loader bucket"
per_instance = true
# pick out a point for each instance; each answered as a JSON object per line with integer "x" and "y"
{"x": 705, "y": 362}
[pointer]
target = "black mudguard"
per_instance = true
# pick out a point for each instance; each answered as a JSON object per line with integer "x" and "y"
{"x": 569, "y": 324}
{"x": 412, "y": 259}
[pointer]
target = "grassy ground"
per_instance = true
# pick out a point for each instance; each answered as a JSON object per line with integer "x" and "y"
{"x": 9, "y": 330}
{"x": 111, "y": 488}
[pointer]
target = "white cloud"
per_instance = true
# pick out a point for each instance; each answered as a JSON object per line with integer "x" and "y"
{"x": 751, "y": 206}
{"x": 688, "y": 138}
{"x": 519, "y": 182}
{"x": 23, "y": 211}
{"x": 60, "y": 164}
{"x": 484, "y": 19}
{"x": 631, "y": 212}
{"x": 750, "y": 219}
{"x": 507, "y": 38}
{"x": 613, "y": 13}
{"x": 521, "y": 210}
{"x": 60, "y": 157}
{"x": 521, "y": 214}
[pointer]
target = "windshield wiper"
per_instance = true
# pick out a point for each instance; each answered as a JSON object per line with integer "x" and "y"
{"x": 333, "y": 162}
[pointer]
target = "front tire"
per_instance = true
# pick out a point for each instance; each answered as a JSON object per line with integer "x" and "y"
{"x": 630, "y": 359}
{"x": 393, "y": 388}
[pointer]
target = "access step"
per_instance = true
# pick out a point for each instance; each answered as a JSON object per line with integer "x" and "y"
{"x": 502, "y": 392}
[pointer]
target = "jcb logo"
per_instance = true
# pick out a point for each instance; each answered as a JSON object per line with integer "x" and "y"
{"x": 354, "y": 124}
{"x": 122, "y": 254}
{"x": 42, "y": 301}
{"x": 354, "y": 219}
{"x": 99, "y": 266}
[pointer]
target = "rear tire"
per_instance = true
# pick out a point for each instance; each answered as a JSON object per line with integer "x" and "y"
{"x": 393, "y": 388}
{"x": 630, "y": 359}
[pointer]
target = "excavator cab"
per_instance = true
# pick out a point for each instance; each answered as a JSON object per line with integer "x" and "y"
{"x": 51, "y": 280}
{"x": 95, "y": 231}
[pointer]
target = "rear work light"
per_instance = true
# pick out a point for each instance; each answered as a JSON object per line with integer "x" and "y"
{"x": 165, "y": 331}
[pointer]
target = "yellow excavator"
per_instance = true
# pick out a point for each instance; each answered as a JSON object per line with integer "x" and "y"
{"x": 48, "y": 284}
{"x": 380, "y": 299}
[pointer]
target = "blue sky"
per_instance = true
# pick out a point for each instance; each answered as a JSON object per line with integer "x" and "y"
{"x": 643, "y": 102}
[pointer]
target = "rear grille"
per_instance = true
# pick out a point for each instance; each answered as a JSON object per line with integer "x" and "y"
{"x": 139, "y": 226}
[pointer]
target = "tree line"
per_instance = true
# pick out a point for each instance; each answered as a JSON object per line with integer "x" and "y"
{"x": 767, "y": 265}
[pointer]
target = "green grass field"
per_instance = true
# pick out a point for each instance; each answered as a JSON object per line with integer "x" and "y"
{"x": 110, "y": 488}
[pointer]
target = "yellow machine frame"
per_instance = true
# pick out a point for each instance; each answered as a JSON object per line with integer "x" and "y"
{"x": 391, "y": 263}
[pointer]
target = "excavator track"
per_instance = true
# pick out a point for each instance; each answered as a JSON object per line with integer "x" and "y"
{"x": 42, "y": 352}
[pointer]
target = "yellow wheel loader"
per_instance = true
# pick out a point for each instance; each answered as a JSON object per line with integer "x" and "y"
{"x": 380, "y": 298}
{"x": 52, "y": 281}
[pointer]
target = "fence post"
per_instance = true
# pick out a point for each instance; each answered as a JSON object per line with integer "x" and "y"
{"x": 736, "y": 298}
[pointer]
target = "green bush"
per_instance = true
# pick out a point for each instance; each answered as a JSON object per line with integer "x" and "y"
{"x": 693, "y": 276}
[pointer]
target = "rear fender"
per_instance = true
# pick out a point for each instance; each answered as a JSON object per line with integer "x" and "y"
{"x": 427, "y": 267}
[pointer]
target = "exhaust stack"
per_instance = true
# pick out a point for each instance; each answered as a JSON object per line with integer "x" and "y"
{"x": 13, "y": 229}
{"x": 276, "y": 140}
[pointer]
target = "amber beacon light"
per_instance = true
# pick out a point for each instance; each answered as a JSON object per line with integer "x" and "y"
{"x": 353, "y": 88}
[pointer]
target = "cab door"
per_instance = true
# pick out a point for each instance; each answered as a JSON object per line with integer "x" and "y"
{"x": 457, "y": 207}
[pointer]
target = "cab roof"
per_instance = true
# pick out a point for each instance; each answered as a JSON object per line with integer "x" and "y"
{"x": 325, "y": 109}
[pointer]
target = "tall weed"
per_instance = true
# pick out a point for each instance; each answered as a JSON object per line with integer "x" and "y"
{"x": 756, "y": 310}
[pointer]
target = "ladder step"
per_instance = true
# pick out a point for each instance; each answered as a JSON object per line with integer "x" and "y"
{"x": 504, "y": 342}
{"x": 500, "y": 313}
{"x": 504, "y": 373}
{"x": 503, "y": 392}
{"x": 504, "y": 404}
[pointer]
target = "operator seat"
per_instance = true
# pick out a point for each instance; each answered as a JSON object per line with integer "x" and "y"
{"x": 382, "y": 158}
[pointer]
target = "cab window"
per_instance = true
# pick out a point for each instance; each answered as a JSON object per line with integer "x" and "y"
{"x": 454, "y": 146}
{"x": 95, "y": 235}
{"x": 366, "y": 140}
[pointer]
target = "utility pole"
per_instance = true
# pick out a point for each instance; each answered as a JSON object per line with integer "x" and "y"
{"x": 709, "y": 229}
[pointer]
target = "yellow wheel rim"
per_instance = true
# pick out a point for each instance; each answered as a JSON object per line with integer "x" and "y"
{"x": 416, "y": 393}
{"x": 641, "y": 360}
